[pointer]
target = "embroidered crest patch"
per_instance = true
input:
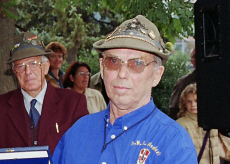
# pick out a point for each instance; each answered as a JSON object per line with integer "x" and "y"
{"x": 144, "y": 153}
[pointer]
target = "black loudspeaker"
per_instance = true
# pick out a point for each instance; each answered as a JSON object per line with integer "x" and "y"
{"x": 212, "y": 42}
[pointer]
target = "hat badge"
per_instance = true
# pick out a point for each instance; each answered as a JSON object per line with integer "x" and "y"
{"x": 152, "y": 35}
{"x": 135, "y": 24}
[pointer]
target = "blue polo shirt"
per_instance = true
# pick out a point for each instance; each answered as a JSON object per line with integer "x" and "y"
{"x": 145, "y": 135}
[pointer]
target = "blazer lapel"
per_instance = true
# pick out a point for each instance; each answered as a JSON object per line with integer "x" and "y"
{"x": 19, "y": 115}
{"x": 49, "y": 112}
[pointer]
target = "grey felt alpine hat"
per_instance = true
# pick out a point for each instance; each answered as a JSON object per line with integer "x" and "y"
{"x": 27, "y": 45}
{"x": 138, "y": 33}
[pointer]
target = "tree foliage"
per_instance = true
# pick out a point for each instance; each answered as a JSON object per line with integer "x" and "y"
{"x": 177, "y": 66}
{"x": 4, "y": 9}
{"x": 79, "y": 23}
{"x": 7, "y": 31}
{"x": 174, "y": 18}
{"x": 74, "y": 24}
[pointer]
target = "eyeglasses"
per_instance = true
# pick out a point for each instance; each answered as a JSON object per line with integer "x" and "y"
{"x": 135, "y": 65}
{"x": 83, "y": 73}
{"x": 34, "y": 65}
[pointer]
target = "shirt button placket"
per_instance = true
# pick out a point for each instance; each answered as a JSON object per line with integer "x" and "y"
{"x": 113, "y": 136}
{"x": 125, "y": 127}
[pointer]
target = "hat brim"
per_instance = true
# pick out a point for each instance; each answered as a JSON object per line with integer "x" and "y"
{"x": 130, "y": 43}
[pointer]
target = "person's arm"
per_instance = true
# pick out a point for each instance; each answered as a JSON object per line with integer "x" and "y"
{"x": 58, "y": 155}
{"x": 184, "y": 156}
{"x": 182, "y": 147}
{"x": 224, "y": 147}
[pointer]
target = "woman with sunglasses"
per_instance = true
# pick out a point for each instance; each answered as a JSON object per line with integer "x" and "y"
{"x": 77, "y": 78}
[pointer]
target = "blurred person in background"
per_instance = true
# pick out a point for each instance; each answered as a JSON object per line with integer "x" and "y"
{"x": 211, "y": 145}
{"x": 56, "y": 60}
{"x": 77, "y": 78}
{"x": 96, "y": 82}
{"x": 180, "y": 86}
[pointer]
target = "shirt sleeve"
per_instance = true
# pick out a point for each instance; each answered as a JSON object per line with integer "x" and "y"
{"x": 181, "y": 149}
{"x": 224, "y": 147}
{"x": 58, "y": 154}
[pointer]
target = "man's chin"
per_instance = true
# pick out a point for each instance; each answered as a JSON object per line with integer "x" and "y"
{"x": 30, "y": 86}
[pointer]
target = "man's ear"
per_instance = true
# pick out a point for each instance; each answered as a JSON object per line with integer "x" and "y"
{"x": 46, "y": 67}
{"x": 101, "y": 67}
{"x": 13, "y": 71}
{"x": 193, "y": 61}
{"x": 157, "y": 75}
{"x": 71, "y": 78}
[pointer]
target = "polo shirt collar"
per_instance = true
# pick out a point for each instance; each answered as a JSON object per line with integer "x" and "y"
{"x": 133, "y": 117}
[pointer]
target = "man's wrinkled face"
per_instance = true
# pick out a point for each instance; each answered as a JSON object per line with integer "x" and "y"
{"x": 127, "y": 87}
{"x": 32, "y": 78}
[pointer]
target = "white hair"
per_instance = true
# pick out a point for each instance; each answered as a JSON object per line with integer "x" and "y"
{"x": 158, "y": 60}
{"x": 44, "y": 59}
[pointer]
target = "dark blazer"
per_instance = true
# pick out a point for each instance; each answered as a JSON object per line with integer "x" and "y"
{"x": 61, "y": 106}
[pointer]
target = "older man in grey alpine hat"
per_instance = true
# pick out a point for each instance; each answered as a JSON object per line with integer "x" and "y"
{"x": 36, "y": 114}
{"x": 131, "y": 129}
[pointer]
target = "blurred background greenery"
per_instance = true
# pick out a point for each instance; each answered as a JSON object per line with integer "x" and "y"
{"x": 79, "y": 23}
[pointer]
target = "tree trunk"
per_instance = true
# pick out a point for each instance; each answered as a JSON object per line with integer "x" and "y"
{"x": 71, "y": 55}
{"x": 7, "y": 32}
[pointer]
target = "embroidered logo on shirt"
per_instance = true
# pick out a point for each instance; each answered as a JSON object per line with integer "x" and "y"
{"x": 149, "y": 145}
{"x": 144, "y": 153}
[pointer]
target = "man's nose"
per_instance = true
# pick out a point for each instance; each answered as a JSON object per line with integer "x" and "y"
{"x": 27, "y": 69}
{"x": 123, "y": 70}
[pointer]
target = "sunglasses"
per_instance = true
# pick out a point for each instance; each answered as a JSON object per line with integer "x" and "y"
{"x": 135, "y": 65}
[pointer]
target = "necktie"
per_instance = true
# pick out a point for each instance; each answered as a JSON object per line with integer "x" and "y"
{"x": 34, "y": 115}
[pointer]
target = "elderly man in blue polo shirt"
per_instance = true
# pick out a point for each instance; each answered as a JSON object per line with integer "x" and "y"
{"x": 131, "y": 130}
